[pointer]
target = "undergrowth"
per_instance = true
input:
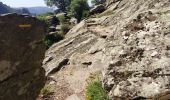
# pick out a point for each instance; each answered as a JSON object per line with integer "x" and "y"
{"x": 94, "y": 90}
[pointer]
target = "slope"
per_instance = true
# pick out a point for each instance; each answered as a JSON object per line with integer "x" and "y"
{"x": 130, "y": 47}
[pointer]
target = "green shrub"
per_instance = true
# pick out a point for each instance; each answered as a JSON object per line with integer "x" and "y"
{"x": 44, "y": 16}
{"x": 52, "y": 38}
{"x": 97, "y": 2}
{"x": 64, "y": 29}
{"x": 95, "y": 91}
{"x": 45, "y": 90}
{"x": 62, "y": 19}
{"x": 86, "y": 14}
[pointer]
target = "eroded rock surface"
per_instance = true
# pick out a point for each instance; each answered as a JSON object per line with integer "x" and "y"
{"x": 130, "y": 47}
{"x": 21, "y": 54}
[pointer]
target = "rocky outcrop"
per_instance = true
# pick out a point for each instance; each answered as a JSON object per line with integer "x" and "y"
{"x": 97, "y": 9}
{"x": 139, "y": 61}
{"x": 130, "y": 47}
{"x": 21, "y": 54}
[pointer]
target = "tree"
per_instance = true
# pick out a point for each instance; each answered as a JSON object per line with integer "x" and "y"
{"x": 79, "y": 9}
{"x": 61, "y": 4}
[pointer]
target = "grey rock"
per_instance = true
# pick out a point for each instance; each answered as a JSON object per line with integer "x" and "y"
{"x": 97, "y": 9}
{"x": 21, "y": 55}
{"x": 135, "y": 55}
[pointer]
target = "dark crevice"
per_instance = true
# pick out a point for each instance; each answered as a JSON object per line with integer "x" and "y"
{"x": 60, "y": 65}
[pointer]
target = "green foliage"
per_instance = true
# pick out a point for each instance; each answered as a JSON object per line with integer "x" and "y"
{"x": 60, "y": 4}
{"x": 52, "y": 38}
{"x": 64, "y": 29}
{"x": 44, "y": 16}
{"x": 62, "y": 19}
{"x": 86, "y": 13}
{"x": 46, "y": 90}
{"x": 97, "y": 2}
{"x": 95, "y": 91}
{"x": 78, "y": 9}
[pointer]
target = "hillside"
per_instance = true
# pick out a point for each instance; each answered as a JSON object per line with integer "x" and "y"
{"x": 36, "y": 10}
{"x": 5, "y": 9}
{"x": 39, "y": 10}
{"x": 127, "y": 46}
{"x": 121, "y": 51}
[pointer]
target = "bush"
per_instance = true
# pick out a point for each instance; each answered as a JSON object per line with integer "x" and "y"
{"x": 52, "y": 38}
{"x": 44, "y": 16}
{"x": 95, "y": 91}
{"x": 64, "y": 29}
{"x": 46, "y": 90}
{"x": 86, "y": 13}
{"x": 78, "y": 9}
{"x": 97, "y": 2}
{"x": 62, "y": 19}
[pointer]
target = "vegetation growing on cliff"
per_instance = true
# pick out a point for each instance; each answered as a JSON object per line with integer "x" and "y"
{"x": 52, "y": 38}
{"x": 97, "y": 2}
{"x": 46, "y": 90}
{"x": 95, "y": 91}
{"x": 44, "y": 16}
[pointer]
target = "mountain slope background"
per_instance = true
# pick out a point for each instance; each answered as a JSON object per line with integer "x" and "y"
{"x": 5, "y": 9}
{"x": 39, "y": 10}
{"x": 30, "y": 10}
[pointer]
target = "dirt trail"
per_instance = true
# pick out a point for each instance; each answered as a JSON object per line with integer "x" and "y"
{"x": 70, "y": 82}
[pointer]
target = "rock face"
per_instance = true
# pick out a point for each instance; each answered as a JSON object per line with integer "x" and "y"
{"x": 21, "y": 54}
{"x": 97, "y": 9}
{"x": 138, "y": 64}
{"x": 130, "y": 47}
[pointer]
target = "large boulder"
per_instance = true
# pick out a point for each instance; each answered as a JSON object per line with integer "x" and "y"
{"x": 21, "y": 54}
